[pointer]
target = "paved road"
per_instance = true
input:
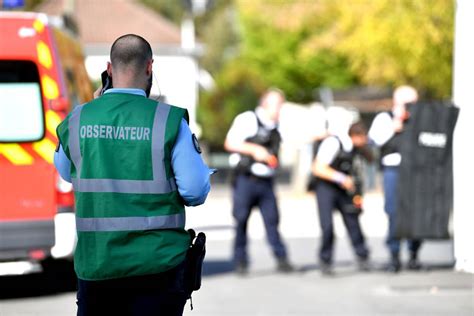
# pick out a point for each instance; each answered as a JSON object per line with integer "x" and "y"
{"x": 437, "y": 290}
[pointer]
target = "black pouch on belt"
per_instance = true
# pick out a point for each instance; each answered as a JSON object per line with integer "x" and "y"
{"x": 194, "y": 260}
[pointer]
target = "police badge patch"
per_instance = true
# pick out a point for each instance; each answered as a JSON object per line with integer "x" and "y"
{"x": 196, "y": 144}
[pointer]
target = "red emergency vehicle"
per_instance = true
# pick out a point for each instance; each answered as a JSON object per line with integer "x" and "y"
{"x": 42, "y": 75}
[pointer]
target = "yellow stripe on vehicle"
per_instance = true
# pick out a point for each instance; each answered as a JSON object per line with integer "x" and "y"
{"x": 45, "y": 148}
{"x": 50, "y": 87}
{"x": 38, "y": 26}
{"x": 52, "y": 121}
{"x": 44, "y": 55}
{"x": 16, "y": 154}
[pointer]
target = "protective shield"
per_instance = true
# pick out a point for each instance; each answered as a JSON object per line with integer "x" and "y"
{"x": 425, "y": 190}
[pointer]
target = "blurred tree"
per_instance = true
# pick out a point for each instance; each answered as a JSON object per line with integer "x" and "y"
{"x": 238, "y": 89}
{"x": 215, "y": 28}
{"x": 300, "y": 46}
{"x": 219, "y": 34}
{"x": 274, "y": 43}
{"x": 31, "y": 4}
{"x": 391, "y": 42}
{"x": 173, "y": 10}
{"x": 253, "y": 45}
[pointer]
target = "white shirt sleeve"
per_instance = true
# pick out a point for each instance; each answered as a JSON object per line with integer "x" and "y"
{"x": 381, "y": 129}
{"x": 244, "y": 126}
{"x": 328, "y": 150}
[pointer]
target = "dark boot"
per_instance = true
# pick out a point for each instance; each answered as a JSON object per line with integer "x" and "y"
{"x": 241, "y": 268}
{"x": 363, "y": 264}
{"x": 394, "y": 264}
{"x": 326, "y": 268}
{"x": 413, "y": 264}
{"x": 284, "y": 266}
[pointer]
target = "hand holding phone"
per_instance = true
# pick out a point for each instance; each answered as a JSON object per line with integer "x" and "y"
{"x": 106, "y": 82}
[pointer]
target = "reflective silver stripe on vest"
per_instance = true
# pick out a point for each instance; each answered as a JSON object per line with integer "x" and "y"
{"x": 111, "y": 224}
{"x": 74, "y": 141}
{"x": 122, "y": 186}
{"x": 159, "y": 185}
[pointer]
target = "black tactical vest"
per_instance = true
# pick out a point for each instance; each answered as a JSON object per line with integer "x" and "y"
{"x": 342, "y": 163}
{"x": 393, "y": 144}
{"x": 266, "y": 137}
{"x": 343, "y": 160}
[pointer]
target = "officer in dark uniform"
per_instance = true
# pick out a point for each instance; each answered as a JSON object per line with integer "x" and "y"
{"x": 337, "y": 187}
{"x": 254, "y": 141}
{"x": 385, "y": 132}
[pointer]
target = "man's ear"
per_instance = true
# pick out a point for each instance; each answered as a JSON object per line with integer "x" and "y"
{"x": 109, "y": 69}
{"x": 149, "y": 68}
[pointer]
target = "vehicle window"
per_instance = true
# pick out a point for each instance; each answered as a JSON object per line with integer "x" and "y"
{"x": 21, "y": 107}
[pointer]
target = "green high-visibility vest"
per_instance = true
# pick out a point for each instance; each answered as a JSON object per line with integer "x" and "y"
{"x": 129, "y": 216}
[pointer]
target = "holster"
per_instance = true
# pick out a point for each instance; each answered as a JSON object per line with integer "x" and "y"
{"x": 194, "y": 260}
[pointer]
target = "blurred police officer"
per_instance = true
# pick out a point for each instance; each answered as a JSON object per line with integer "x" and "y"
{"x": 336, "y": 189}
{"x": 385, "y": 132}
{"x": 255, "y": 141}
{"x": 134, "y": 164}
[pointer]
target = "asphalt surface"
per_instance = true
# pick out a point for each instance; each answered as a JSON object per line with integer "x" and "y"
{"x": 435, "y": 290}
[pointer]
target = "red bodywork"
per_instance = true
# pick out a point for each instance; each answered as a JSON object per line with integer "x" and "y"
{"x": 28, "y": 179}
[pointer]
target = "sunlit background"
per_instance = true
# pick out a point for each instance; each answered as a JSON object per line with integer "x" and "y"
{"x": 337, "y": 62}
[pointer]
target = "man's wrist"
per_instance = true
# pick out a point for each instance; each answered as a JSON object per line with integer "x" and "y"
{"x": 339, "y": 177}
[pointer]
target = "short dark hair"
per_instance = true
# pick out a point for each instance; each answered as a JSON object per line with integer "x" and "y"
{"x": 270, "y": 91}
{"x": 357, "y": 128}
{"x": 130, "y": 50}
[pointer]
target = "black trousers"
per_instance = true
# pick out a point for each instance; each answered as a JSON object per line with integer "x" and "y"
{"x": 250, "y": 191}
{"x": 157, "y": 294}
{"x": 329, "y": 198}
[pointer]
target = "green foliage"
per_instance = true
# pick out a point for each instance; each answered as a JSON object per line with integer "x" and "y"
{"x": 173, "y": 10}
{"x": 398, "y": 42}
{"x": 31, "y": 4}
{"x": 215, "y": 7}
{"x": 219, "y": 35}
{"x": 274, "y": 44}
{"x": 238, "y": 90}
{"x": 299, "y": 46}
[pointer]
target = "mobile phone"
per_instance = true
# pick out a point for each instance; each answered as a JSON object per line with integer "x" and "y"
{"x": 106, "y": 82}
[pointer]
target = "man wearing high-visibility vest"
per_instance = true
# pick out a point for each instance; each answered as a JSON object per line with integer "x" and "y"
{"x": 134, "y": 165}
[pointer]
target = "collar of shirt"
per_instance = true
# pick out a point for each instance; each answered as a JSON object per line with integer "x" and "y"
{"x": 346, "y": 142}
{"x": 126, "y": 90}
{"x": 260, "y": 112}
